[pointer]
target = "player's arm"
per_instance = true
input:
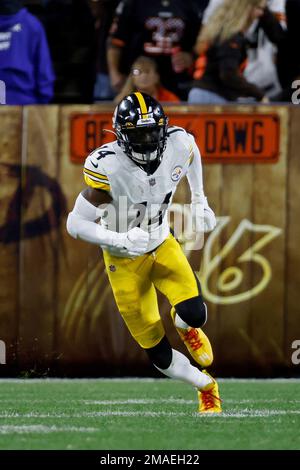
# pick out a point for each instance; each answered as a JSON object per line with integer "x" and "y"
{"x": 91, "y": 205}
{"x": 96, "y": 197}
{"x": 82, "y": 220}
{"x": 203, "y": 215}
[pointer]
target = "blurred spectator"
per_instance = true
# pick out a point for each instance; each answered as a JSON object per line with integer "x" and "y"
{"x": 264, "y": 35}
{"x": 223, "y": 41}
{"x": 144, "y": 77}
{"x": 71, "y": 35}
{"x": 25, "y": 63}
{"x": 163, "y": 29}
{"x": 289, "y": 53}
{"x": 103, "y": 12}
{"x": 36, "y": 8}
{"x": 201, "y": 6}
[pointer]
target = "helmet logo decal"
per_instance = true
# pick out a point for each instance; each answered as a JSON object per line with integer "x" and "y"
{"x": 145, "y": 119}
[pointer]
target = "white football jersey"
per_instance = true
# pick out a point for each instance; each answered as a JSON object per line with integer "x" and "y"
{"x": 139, "y": 199}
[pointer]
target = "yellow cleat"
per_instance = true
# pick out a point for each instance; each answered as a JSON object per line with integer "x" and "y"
{"x": 196, "y": 342}
{"x": 209, "y": 397}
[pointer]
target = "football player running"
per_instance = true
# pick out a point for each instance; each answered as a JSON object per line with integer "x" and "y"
{"x": 143, "y": 168}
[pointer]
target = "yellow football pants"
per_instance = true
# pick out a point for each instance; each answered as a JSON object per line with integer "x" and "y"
{"x": 133, "y": 282}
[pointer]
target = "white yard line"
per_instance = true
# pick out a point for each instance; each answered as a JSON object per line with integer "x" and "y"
{"x": 142, "y": 380}
{"x": 256, "y": 413}
{"x": 180, "y": 401}
{"x": 140, "y": 401}
{"x": 90, "y": 414}
{"x": 243, "y": 413}
{"x": 146, "y": 401}
{"x": 41, "y": 429}
{"x": 259, "y": 400}
{"x": 154, "y": 414}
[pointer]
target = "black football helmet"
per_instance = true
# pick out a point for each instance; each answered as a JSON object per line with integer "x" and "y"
{"x": 141, "y": 127}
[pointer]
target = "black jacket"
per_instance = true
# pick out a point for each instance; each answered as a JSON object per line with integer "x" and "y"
{"x": 223, "y": 74}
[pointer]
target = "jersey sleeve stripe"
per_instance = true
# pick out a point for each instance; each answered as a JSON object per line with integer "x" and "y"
{"x": 191, "y": 158}
{"x": 191, "y": 155}
{"x": 100, "y": 180}
{"x": 96, "y": 175}
{"x": 96, "y": 184}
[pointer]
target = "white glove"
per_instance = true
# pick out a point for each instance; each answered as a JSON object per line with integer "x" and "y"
{"x": 209, "y": 218}
{"x": 204, "y": 219}
{"x": 133, "y": 243}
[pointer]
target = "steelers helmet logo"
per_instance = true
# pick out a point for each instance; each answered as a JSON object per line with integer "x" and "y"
{"x": 176, "y": 173}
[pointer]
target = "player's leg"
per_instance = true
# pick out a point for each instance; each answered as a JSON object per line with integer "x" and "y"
{"x": 174, "y": 277}
{"x": 176, "y": 365}
{"x": 189, "y": 316}
{"x": 136, "y": 298}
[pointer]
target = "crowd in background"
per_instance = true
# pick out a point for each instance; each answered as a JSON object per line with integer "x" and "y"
{"x": 199, "y": 51}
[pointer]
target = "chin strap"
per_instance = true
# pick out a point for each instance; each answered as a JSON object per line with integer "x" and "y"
{"x": 147, "y": 165}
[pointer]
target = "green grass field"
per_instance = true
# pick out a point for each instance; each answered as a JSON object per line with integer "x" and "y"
{"x": 147, "y": 414}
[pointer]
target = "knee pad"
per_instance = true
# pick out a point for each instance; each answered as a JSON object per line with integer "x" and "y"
{"x": 161, "y": 354}
{"x": 192, "y": 311}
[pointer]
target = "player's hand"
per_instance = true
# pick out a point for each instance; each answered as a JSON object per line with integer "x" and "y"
{"x": 209, "y": 218}
{"x": 204, "y": 219}
{"x": 135, "y": 241}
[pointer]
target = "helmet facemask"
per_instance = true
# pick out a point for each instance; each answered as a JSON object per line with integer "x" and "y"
{"x": 145, "y": 144}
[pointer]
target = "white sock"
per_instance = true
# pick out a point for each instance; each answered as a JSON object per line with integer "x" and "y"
{"x": 180, "y": 323}
{"x": 182, "y": 369}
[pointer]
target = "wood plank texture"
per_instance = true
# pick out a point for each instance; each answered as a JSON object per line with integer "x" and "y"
{"x": 56, "y": 305}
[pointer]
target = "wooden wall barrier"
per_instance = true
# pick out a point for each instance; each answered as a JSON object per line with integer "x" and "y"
{"x": 57, "y": 313}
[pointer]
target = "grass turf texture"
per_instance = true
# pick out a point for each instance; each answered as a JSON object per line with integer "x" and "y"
{"x": 147, "y": 414}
